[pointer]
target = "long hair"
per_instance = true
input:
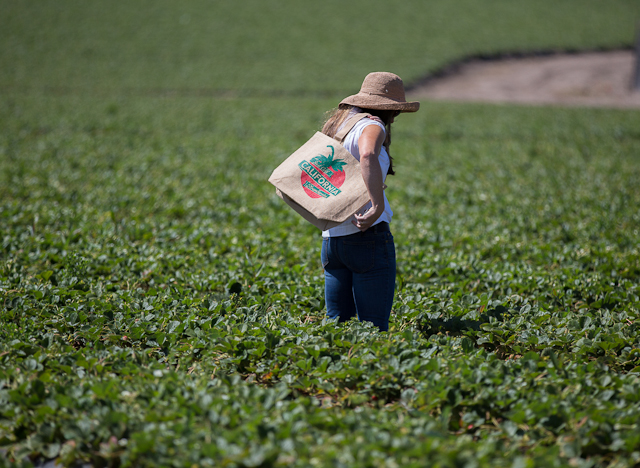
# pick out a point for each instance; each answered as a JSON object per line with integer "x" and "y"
{"x": 337, "y": 116}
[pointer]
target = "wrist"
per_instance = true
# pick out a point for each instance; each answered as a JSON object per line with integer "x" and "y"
{"x": 377, "y": 210}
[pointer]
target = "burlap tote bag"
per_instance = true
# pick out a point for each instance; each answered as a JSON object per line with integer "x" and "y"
{"x": 322, "y": 181}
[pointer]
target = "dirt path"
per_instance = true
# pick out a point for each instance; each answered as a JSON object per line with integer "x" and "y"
{"x": 599, "y": 79}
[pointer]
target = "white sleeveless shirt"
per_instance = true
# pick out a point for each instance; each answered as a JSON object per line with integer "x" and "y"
{"x": 351, "y": 144}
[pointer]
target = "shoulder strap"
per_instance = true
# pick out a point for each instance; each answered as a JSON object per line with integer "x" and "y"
{"x": 348, "y": 125}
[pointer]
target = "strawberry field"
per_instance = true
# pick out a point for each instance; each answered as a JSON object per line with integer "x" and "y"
{"x": 161, "y": 306}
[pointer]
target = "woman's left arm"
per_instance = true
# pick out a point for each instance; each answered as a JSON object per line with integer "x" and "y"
{"x": 369, "y": 145}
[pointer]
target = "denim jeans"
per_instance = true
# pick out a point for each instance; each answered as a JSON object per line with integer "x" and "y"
{"x": 360, "y": 275}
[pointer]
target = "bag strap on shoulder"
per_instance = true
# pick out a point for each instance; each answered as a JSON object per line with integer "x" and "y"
{"x": 348, "y": 125}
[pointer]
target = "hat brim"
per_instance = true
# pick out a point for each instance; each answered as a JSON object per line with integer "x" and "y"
{"x": 371, "y": 101}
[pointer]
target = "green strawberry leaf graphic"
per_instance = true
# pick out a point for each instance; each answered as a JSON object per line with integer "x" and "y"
{"x": 327, "y": 162}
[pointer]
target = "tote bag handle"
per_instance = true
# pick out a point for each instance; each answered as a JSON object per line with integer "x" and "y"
{"x": 348, "y": 125}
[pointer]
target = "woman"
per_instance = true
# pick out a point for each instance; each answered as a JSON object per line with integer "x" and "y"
{"x": 358, "y": 256}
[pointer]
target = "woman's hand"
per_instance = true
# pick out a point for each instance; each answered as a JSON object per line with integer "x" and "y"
{"x": 376, "y": 118}
{"x": 366, "y": 220}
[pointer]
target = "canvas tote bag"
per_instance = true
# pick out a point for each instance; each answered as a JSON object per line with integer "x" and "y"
{"x": 322, "y": 181}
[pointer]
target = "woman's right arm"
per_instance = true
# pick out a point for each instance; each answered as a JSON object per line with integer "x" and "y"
{"x": 369, "y": 145}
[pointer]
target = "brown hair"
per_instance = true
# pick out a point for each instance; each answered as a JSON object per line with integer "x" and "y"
{"x": 337, "y": 116}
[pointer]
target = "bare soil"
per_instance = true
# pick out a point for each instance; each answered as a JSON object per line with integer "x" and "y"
{"x": 598, "y": 79}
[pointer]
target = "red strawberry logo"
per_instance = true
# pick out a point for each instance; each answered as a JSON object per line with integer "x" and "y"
{"x": 323, "y": 175}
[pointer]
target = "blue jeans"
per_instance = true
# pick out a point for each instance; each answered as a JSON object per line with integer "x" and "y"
{"x": 360, "y": 275}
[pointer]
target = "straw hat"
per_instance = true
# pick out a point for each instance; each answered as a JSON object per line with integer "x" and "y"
{"x": 382, "y": 90}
